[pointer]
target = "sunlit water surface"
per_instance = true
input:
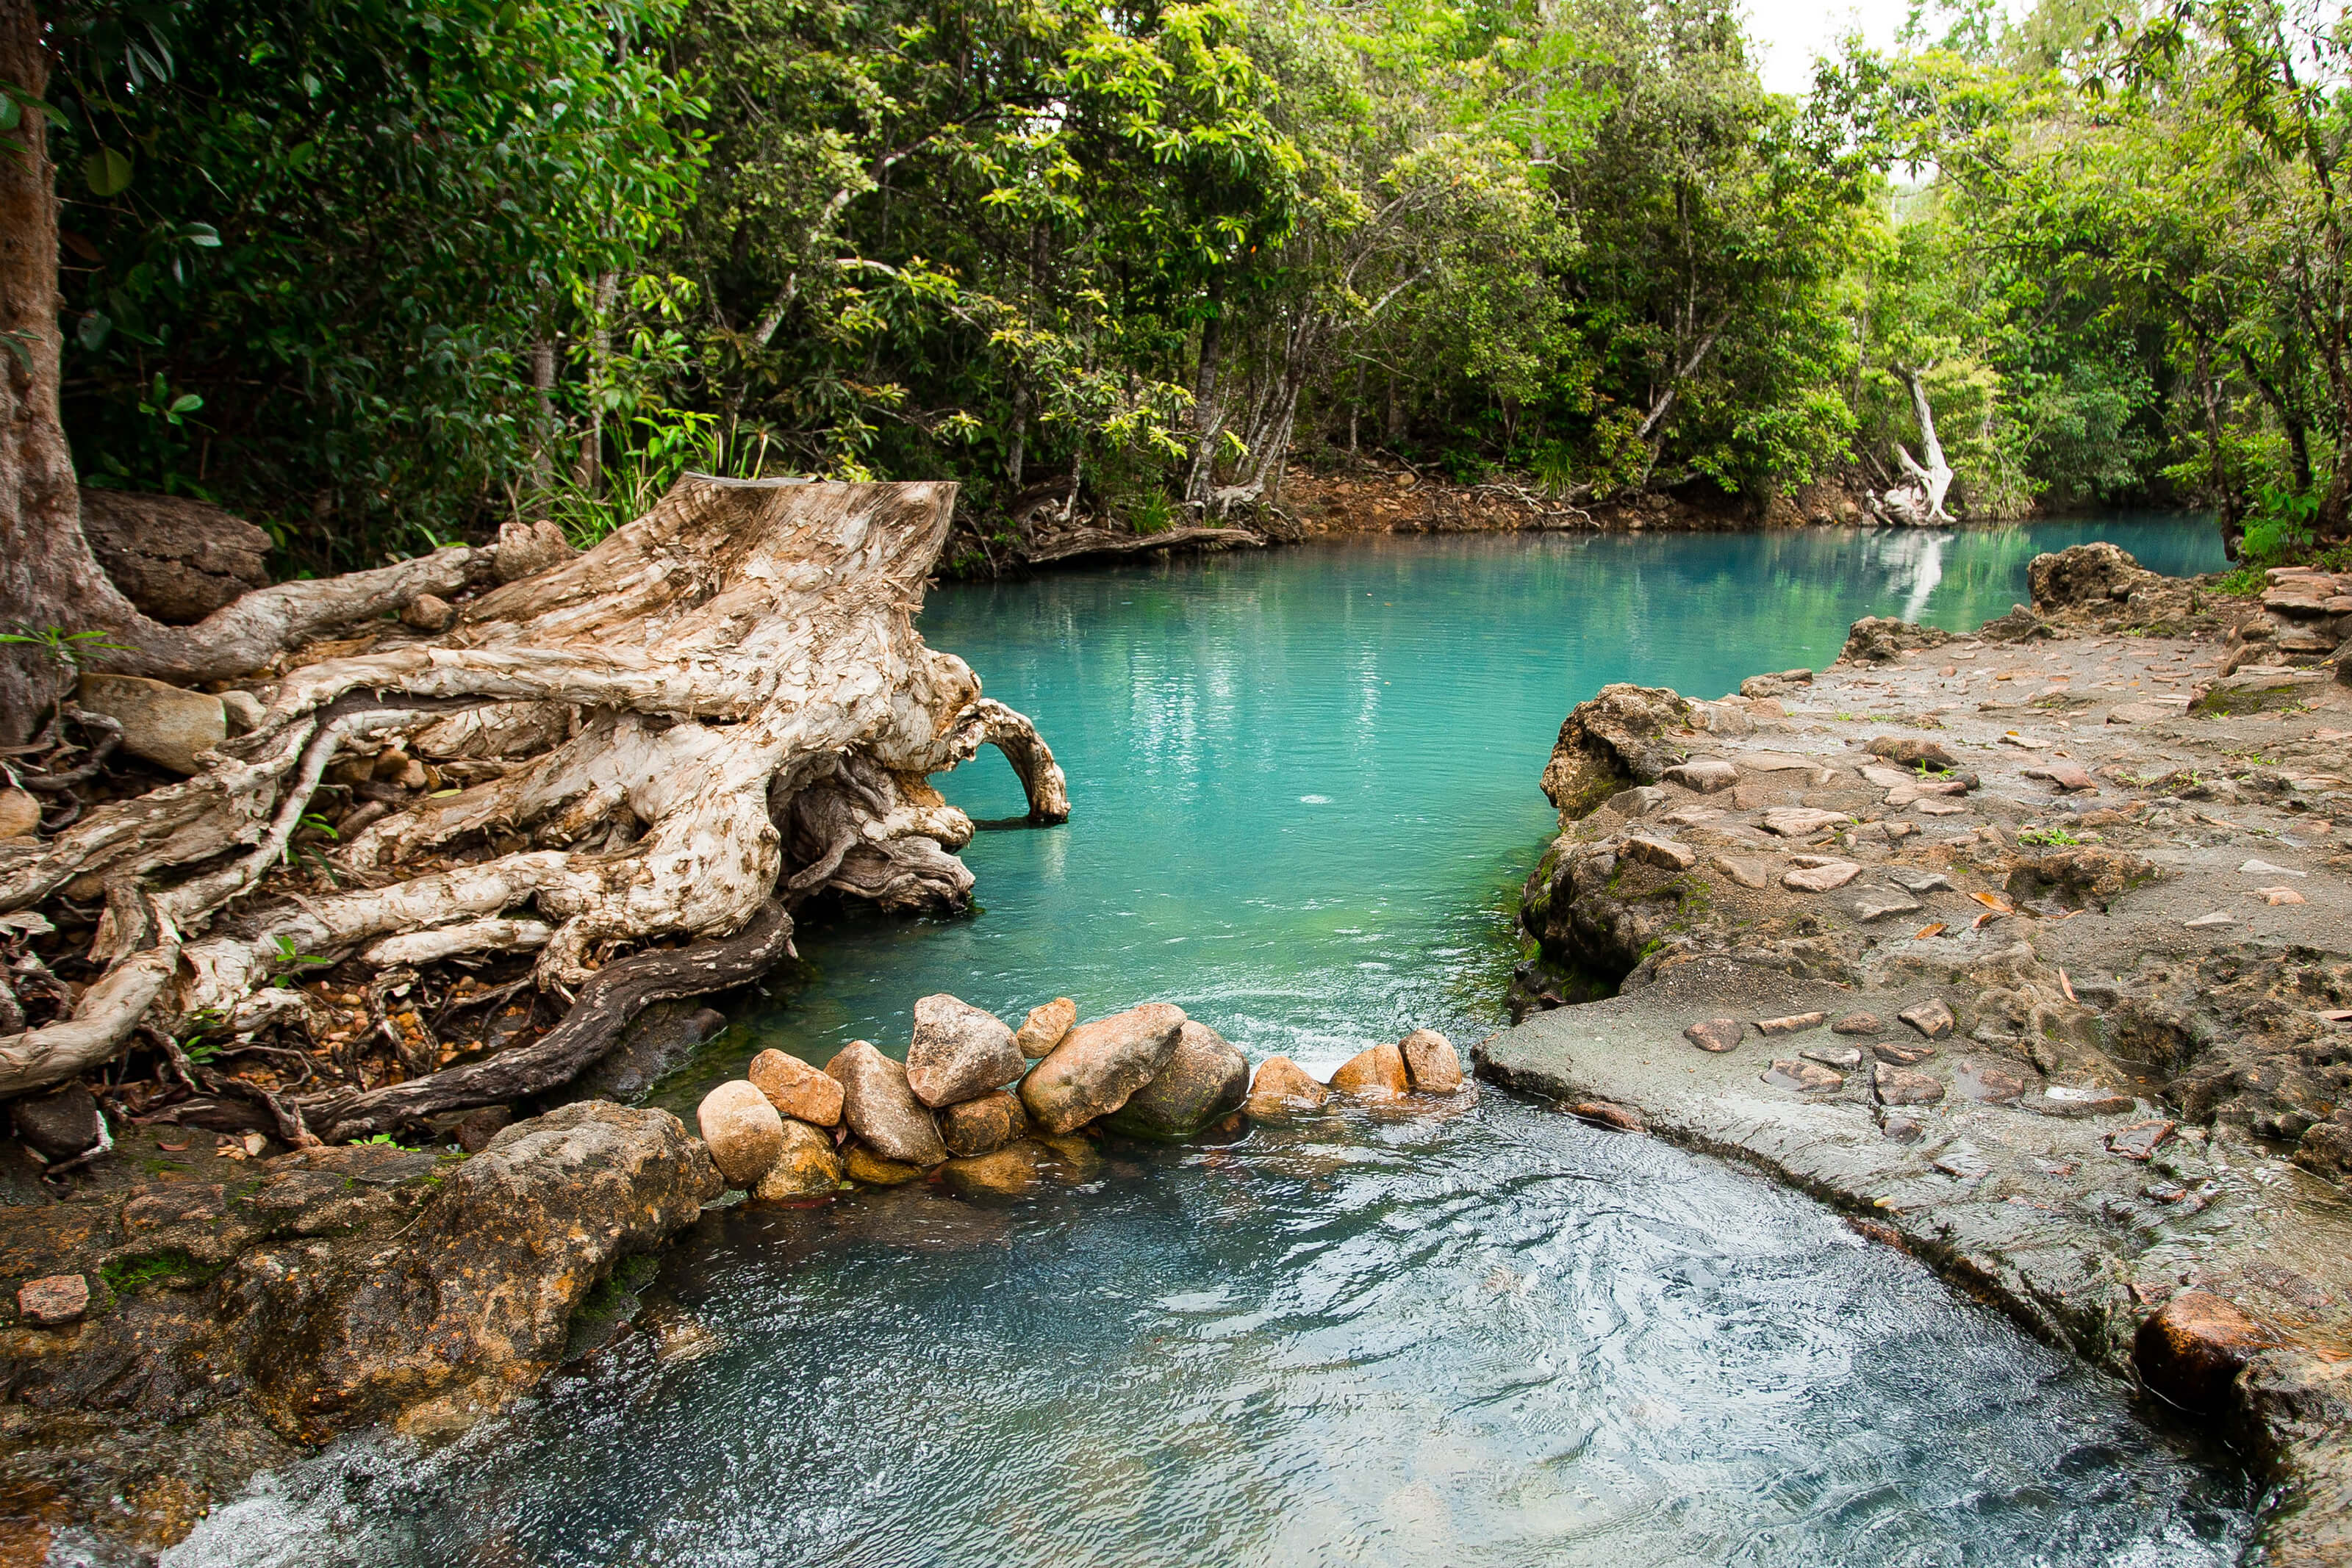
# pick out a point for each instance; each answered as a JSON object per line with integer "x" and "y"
{"x": 1304, "y": 783}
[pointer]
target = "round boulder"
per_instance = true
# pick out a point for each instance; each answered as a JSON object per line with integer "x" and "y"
{"x": 1431, "y": 1062}
{"x": 960, "y": 1052}
{"x": 1099, "y": 1065}
{"x": 974, "y": 1127}
{"x": 807, "y": 1165}
{"x": 743, "y": 1131}
{"x": 60, "y": 1125}
{"x": 1377, "y": 1073}
{"x": 795, "y": 1088}
{"x": 1282, "y": 1089}
{"x": 1206, "y": 1077}
{"x": 881, "y": 1109}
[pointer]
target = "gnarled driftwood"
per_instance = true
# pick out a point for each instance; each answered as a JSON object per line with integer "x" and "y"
{"x": 717, "y": 711}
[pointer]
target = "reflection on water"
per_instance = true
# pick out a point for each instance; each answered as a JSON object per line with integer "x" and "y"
{"x": 1305, "y": 781}
{"x": 1498, "y": 1339}
{"x": 1305, "y": 785}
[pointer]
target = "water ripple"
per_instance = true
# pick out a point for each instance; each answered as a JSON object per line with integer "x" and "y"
{"x": 1499, "y": 1339}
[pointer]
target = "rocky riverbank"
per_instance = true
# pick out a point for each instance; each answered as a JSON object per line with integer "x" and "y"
{"x": 198, "y": 1309}
{"x": 2028, "y": 949}
{"x": 1376, "y": 497}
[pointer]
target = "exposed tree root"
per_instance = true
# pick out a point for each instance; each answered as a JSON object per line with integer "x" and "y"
{"x": 614, "y": 996}
{"x": 719, "y": 711}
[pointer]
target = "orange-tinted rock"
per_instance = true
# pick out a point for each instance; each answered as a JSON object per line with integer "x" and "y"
{"x": 1377, "y": 1073}
{"x": 1098, "y": 1065}
{"x": 975, "y": 1127}
{"x": 743, "y": 1131}
{"x": 1282, "y": 1089}
{"x": 795, "y": 1088}
{"x": 2190, "y": 1353}
{"x": 1043, "y": 1030}
{"x": 1431, "y": 1062}
{"x": 860, "y": 1163}
{"x": 806, "y": 1165}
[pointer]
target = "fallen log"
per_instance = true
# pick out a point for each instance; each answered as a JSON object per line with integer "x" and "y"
{"x": 719, "y": 710}
{"x": 1102, "y": 541}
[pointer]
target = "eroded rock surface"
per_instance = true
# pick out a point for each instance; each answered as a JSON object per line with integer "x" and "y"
{"x": 234, "y": 1308}
{"x": 2090, "y": 882}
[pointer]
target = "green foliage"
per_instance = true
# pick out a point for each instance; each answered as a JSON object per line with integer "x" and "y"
{"x": 295, "y": 962}
{"x": 66, "y": 649}
{"x": 307, "y": 246}
{"x": 381, "y": 273}
{"x": 2047, "y": 838}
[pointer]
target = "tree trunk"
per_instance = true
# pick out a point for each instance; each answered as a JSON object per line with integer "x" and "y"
{"x": 1208, "y": 403}
{"x": 542, "y": 451}
{"x": 1017, "y": 451}
{"x": 1934, "y": 478}
{"x": 589, "y": 471}
{"x": 47, "y": 575}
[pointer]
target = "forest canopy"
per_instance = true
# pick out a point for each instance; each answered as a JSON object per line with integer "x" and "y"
{"x": 380, "y": 273}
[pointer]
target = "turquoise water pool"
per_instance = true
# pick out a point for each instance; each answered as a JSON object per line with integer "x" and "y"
{"x": 1303, "y": 787}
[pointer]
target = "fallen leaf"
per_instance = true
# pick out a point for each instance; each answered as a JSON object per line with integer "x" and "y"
{"x": 170, "y": 1148}
{"x": 1989, "y": 914}
{"x": 1927, "y": 931}
{"x": 2066, "y": 985}
{"x": 1995, "y": 903}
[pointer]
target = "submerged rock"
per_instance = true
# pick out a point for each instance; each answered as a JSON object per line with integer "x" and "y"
{"x": 796, "y": 1088}
{"x": 862, "y": 1165}
{"x": 806, "y": 1165}
{"x": 1610, "y": 1113}
{"x": 475, "y": 1302}
{"x": 1000, "y": 1173}
{"x": 1043, "y": 1030}
{"x": 1806, "y": 1077}
{"x": 959, "y": 1051}
{"x": 2190, "y": 1353}
{"x": 1099, "y": 1065}
{"x": 1281, "y": 1090}
{"x": 1896, "y": 1086}
{"x": 1432, "y": 1063}
{"x": 1376, "y": 1073}
{"x": 1206, "y": 1077}
{"x": 982, "y": 1126}
{"x": 881, "y": 1108}
{"x": 743, "y": 1131}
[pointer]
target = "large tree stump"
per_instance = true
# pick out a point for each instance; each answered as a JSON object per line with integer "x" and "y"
{"x": 717, "y": 711}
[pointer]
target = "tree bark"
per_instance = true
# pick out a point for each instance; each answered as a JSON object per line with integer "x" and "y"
{"x": 588, "y": 473}
{"x": 47, "y": 575}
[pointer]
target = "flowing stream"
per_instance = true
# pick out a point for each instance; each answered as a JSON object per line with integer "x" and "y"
{"x": 1303, "y": 788}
